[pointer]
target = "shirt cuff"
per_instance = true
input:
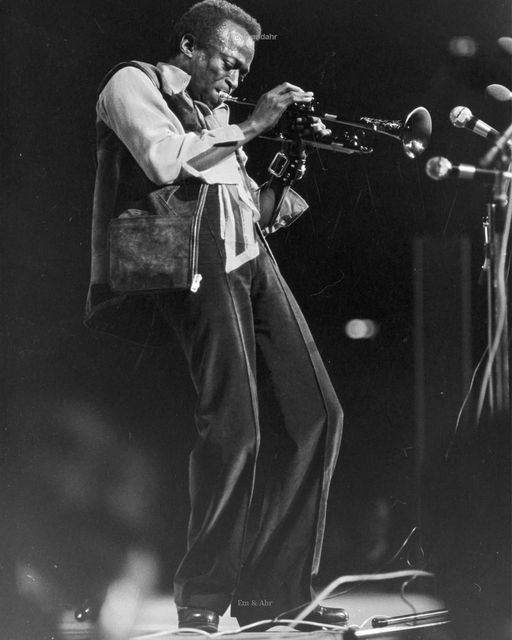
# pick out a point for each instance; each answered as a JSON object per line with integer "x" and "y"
{"x": 224, "y": 171}
{"x": 226, "y": 136}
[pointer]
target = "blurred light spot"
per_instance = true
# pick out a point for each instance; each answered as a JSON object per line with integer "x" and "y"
{"x": 361, "y": 329}
{"x": 463, "y": 46}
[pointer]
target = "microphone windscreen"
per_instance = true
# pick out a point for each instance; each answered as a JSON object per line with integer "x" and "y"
{"x": 460, "y": 116}
{"x": 438, "y": 168}
{"x": 499, "y": 92}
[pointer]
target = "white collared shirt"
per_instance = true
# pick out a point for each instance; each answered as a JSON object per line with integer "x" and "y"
{"x": 132, "y": 106}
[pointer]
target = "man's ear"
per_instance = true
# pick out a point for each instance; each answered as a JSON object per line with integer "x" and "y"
{"x": 187, "y": 45}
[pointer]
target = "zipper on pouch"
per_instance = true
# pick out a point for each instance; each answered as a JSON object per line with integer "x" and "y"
{"x": 194, "y": 249}
{"x": 196, "y": 282}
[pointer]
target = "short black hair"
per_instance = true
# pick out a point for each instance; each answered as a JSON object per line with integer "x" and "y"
{"x": 203, "y": 20}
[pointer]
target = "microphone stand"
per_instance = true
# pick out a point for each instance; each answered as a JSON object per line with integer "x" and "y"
{"x": 496, "y": 255}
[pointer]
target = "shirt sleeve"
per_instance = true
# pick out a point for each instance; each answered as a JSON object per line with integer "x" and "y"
{"x": 132, "y": 106}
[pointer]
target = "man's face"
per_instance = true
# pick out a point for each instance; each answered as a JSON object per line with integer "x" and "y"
{"x": 220, "y": 65}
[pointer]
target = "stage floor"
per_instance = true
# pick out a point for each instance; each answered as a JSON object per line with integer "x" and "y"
{"x": 158, "y": 619}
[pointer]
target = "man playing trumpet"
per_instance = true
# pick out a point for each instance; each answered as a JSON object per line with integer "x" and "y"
{"x": 164, "y": 137}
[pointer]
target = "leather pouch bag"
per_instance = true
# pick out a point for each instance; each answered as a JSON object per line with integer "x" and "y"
{"x": 153, "y": 246}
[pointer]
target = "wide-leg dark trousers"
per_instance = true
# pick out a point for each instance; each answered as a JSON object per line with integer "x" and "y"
{"x": 235, "y": 323}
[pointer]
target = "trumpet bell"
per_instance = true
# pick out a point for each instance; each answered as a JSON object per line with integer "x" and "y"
{"x": 416, "y": 132}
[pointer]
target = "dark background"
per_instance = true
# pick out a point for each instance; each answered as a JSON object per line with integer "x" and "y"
{"x": 349, "y": 256}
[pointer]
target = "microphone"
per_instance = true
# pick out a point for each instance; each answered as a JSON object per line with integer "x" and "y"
{"x": 506, "y": 44}
{"x": 499, "y": 92}
{"x": 463, "y": 118}
{"x": 439, "y": 168}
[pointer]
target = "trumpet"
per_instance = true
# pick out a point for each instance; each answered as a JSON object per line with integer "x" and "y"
{"x": 414, "y": 131}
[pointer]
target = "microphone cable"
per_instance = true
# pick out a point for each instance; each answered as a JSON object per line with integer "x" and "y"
{"x": 502, "y": 277}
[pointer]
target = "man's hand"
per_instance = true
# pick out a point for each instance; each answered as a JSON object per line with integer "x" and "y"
{"x": 267, "y": 112}
{"x": 308, "y": 127}
{"x": 271, "y": 106}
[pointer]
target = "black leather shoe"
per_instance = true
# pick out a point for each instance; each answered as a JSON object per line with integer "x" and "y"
{"x": 321, "y": 615}
{"x": 195, "y": 618}
{"x": 327, "y": 615}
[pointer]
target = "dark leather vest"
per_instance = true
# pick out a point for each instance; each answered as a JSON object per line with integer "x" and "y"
{"x": 120, "y": 183}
